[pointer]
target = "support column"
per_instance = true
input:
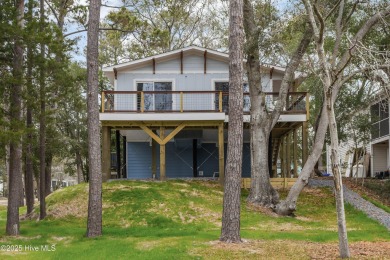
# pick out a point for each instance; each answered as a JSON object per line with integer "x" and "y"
{"x": 295, "y": 148}
{"x": 162, "y": 155}
{"x": 195, "y": 157}
{"x": 305, "y": 147}
{"x": 124, "y": 145}
{"x": 288, "y": 155}
{"x": 221, "y": 154}
{"x": 154, "y": 159}
{"x": 106, "y": 153}
{"x": 118, "y": 153}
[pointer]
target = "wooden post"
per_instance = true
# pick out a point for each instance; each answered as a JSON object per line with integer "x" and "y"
{"x": 124, "y": 146}
{"x": 221, "y": 153}
{"x": 181, "y": 102}
{"x": 205, "y": 62}
{"x": 162, "y": 155}
{"x": 307, "y": 106}
{"x": 118, "y": 153}
{"x": 103, "y": 97}
{"x": 220, "y": 101}
{"x": 282, "y": 157}
{"x": 154, "y": 165}
{"x": 304, "y": 143}
{"x": 106, "y": 153}
{"x": 295, "y": 148}
{"x": 288, "y": 155}
{"x": 142, "y": 102}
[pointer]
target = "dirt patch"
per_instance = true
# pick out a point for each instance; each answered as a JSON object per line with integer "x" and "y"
{"x": 77, "y": 207}
{"x": 361, "y": 187}
{"x": 285, "y": 249}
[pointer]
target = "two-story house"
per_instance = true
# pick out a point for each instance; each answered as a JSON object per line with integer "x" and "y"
{"x": 171, "y": 112}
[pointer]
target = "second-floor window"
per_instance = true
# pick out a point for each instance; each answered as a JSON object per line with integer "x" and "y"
{"x": 154, "y": 101}
{"x": 380, "y": 119}
{"x": 224, "y": 87}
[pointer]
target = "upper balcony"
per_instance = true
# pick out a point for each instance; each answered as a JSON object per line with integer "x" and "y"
{"x": 191, "y": 102}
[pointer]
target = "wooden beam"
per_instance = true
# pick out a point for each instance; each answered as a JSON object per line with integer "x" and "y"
{"x": 288, "y": 155}
{"x": 106, "y": 153}
{"x": 154, "y": 159}
{"x": 181, "y": 62}
{"x": 151, "y": 134}
{"x": 220, "y": 102}
{"x": 173, "y": 133}
{"x": 142, "y": 102}
{"x": 154, "y": 65}
{"x": 205, "y": 62}
{"x": 295, "y": 151}
{"x": 115, "y": 73}
{"x": 135, "y": 124}
{"x": 118, "y": 153}
{"x": 162, "y": 155}
{"x": 221, "y": 154}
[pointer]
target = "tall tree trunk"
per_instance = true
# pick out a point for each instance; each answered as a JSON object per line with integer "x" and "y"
{"x": 42, "y": 121}
{"x": 287, "y": 206}
{"x": 262, "y": 120}
{"x": 49, "y": 164}
{"x": 79, "y": 167}
{"x": 334, "y": 142}
{"x": 28, "y": 180}
{"x": 231, "y": 200}
{"x": 15, "y": 163}
{"x": 94, "y": 225}
{"x": 262, "y": 192}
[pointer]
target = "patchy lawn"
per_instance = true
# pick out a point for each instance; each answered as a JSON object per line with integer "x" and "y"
{"x": 180, "y": 219}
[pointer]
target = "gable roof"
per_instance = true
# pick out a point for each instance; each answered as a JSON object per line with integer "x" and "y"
{"x": 212, "y": 54}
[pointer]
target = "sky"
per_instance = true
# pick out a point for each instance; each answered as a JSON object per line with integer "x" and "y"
{"x": 78, "y": 55}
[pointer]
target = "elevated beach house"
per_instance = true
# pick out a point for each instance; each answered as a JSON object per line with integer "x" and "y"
{"x": 169, "y": 113}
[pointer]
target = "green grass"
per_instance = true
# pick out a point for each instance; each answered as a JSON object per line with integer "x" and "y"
{"x": 176, "y": 220}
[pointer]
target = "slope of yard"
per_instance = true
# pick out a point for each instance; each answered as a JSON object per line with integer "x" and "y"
{"x": 181, "y": 220}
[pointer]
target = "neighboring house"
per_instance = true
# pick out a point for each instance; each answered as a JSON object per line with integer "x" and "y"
{"x": 171, "y": 112}
{"x": 380, "y": 156}
{"x": 377, "y": 150}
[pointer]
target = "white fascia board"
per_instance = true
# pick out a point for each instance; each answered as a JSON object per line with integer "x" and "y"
{"x": 282, "y": 118}
{"x": 161, "y": 116}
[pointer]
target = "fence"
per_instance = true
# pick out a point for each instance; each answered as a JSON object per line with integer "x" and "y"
{"x": 191, "y": 101}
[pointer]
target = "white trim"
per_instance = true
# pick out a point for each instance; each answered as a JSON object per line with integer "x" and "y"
{"x": 176, "y": 72}
{"x": 282, "y": 118}
{"x": 161, "y": 116}
{"x": 146, "y": 80}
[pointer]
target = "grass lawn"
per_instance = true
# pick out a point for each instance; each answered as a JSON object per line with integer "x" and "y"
{"x": 181, "y": 220}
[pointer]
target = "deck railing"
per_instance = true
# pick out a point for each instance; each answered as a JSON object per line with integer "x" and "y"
{"x": 191, "y": 101}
